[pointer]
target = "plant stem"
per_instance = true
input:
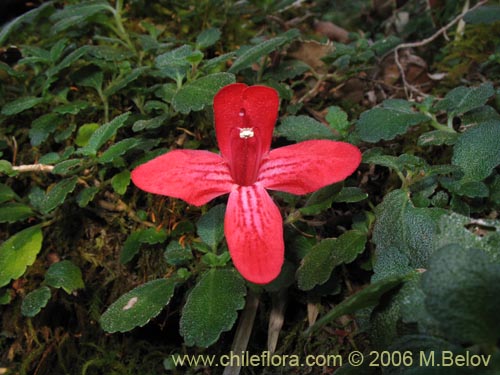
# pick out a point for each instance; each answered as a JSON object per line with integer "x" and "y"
{"x": 122, "y": 33}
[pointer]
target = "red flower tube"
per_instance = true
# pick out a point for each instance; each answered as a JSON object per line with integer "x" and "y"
{"x": 244, "y": 123}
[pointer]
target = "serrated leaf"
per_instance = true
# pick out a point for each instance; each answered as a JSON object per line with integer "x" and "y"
{"x": 253, "y": 54}
{"x": 174, "y": 64}
{"x": 20, "y": 105}
{"x": 471, "y": 233}
{"x": 90, "y": 77}
{"x": 152, "y": 123}
{"x": 103, "y": 134}
{"x": 320, "y": 261}
{"x": 68, "y": 60}
{"x": 66, "y": 275}
{"x": 350, "y": 195}
{"x": 120, "y": 182}
{"x": 124, "y": 81}
{"x": 67, "y": 166}
{"x": 27, "y": 17}
{"x": 211, "y": 307}
{"x": 42, "y": 127}
{"x": 19, "y": 252}
{"x": 367, "y": 297}
{"x": 77, "y": 14}
{"x": 35, "y": 301}
{"x": 12, "y": 212}
{"x": 337, "y": 119}
{"x": 208, "y": 37}
{"x": 84, "y": 133}
{"x": 6, "y": 193}
{"x": 321, "y": 199}
{"x": 137, "y": 307}
{"x": 400, "y": 226}
{"x": 86, "y": 196}
{"x": 176, "y": 254}
{"x": 463, "y": 99}
{"x": 462, "y": 287}
{"x": 71, "y": 108}
{"x": 477, "y": 151}
{"x": 196, "y": 95}
{"x": 210, "y": 227}
{"x": 302, "y": 128}
{"x": 395, "y": 117}
{"x": 118, "y": 149}
{"x": 133, "y": 242}
{"x": 437, "y": 138}
{"x": 55, "y": 196}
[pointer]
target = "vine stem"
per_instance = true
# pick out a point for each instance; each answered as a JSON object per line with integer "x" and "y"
{"x": 407, "y": 86}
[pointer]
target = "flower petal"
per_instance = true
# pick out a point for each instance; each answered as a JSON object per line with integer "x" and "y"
{"x": 194, "y": 176}
{"x": 254, "y": 233}
{"x": 244, "y": 123}
{"x": 308, "y": 166}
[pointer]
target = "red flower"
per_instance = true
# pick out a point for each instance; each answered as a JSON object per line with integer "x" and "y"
{"x": 244, "y": 122}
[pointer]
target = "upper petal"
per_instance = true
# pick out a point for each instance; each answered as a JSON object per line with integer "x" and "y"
{"x": 254, "y": 234}
{"x": 308, "y": 166}
{"x": 194, "y": 176}
{"x": 238, "y": 106}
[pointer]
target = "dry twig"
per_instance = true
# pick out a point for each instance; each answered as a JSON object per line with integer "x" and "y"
{"x": 407, "y": 86}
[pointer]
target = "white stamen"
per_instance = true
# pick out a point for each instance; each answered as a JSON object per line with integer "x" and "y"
{"x": 246, "y": 133}
{"x": 242, "y": 112}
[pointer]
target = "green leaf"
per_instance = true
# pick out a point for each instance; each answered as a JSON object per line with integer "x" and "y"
{"x": 208, "y": 37}
{"x": 350, "y": 195}
{"x": 84, "y": 133}
{"x": 103, "y": 134}
{"x": 462, "y": 288}
{"x": 395, "y": 117}
{"x": 35, "y": 301}
{"x": 472, "y": 233}
{"x": 20, "y": 105}
{"x": 90, "y": 77}
{"x": 133, "y": 242}
{"x": 66, "y": 275}
{"x": 67, "y": 166}
{"x": 401, "y": 227}
{"x": 477, "y": 151}
{"x": 77, "y": 14}
{"x": 486, "y": 14}
{"x": 6, "y": 167}
{"x": 43, "y": 126}
{"x": 253, "y": 54}
{"x": 302, "y": 128}
{"x": 118, "y": 149}
{"x": 463, "y": 99}
{"x": 438, "y": 138}
{"x": 124, "y": 81}
{"x": 321, "y": 199}
{"x": 12, "y": 212}
{"x": 86, "y": 196}
{"x": 210, "y": 227}
{"x": 152, "y": 123}
{"x": 211, "y": 307}
{"x": 320, "y": 261}
{"x": 137, "y": 307}
{"x": 68, "y": 60}
{"x": 176, "y": 254}
{"x": 49, "y": 201}
{"x": 196, "y": 95}
{"x": 367, "y": 297}
{"x": 71, "y": 108}
{"x": 6, "y": 193}
{"x": 337, "y": 119}
{"x": 120, "y": 182}
{"x": 174, "y": 64}
{"x": 26, "y": 18}
{"x": 19, "y": 252}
